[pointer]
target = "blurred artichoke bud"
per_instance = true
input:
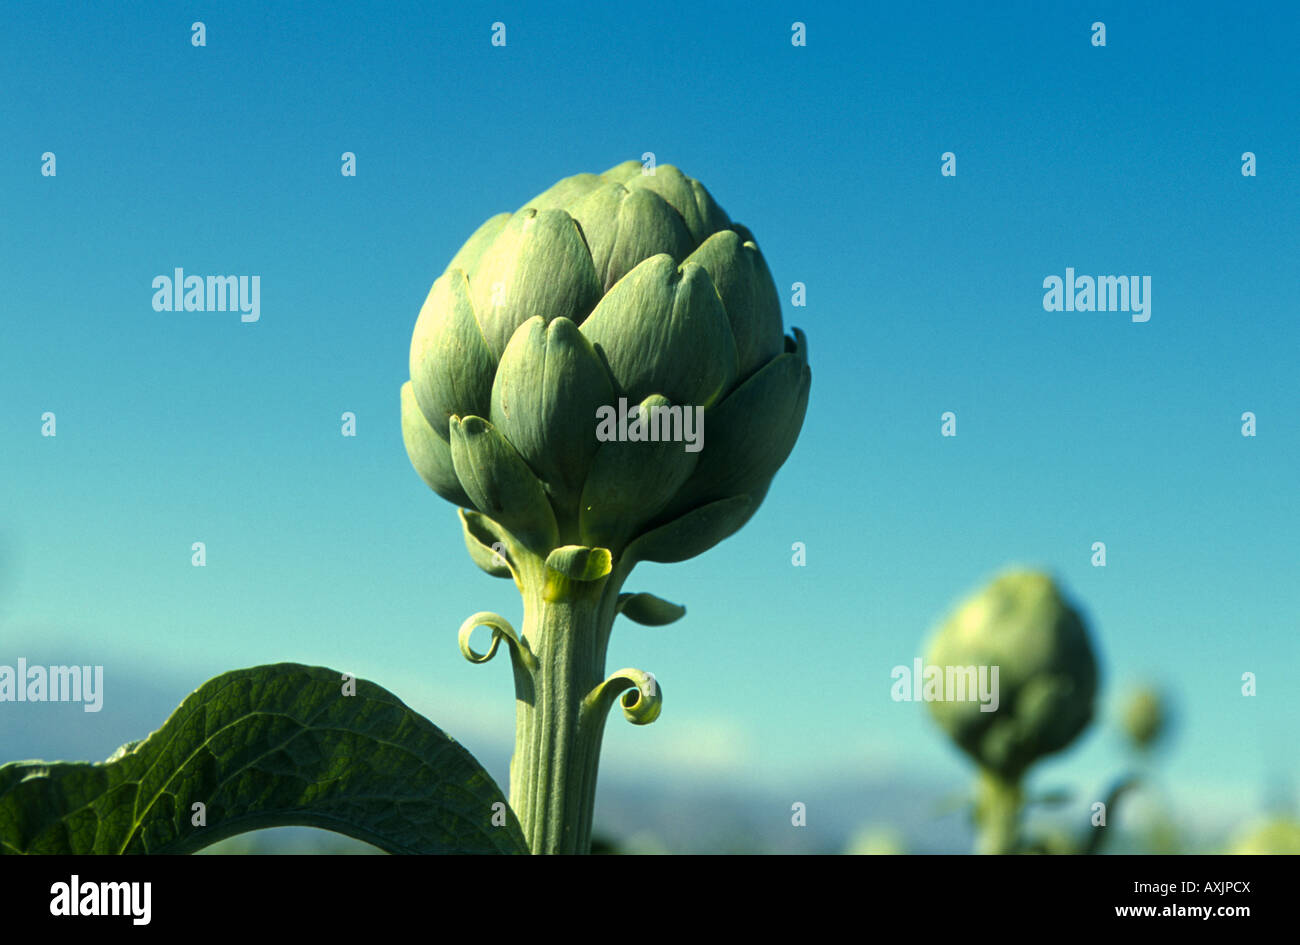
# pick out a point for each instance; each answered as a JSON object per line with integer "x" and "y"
{"x": 1144, "y": 717}
{"x": 876, "y": 840}
{"x": 1275, "y": 836}
{"x": 1047, "y": 676}
{"x": 607, "y": 288}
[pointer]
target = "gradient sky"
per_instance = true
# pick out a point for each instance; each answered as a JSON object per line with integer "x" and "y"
{"x": 924, "y": 295}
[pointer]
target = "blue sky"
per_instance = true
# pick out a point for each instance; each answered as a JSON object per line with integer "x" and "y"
{"x": 924, "y": 295}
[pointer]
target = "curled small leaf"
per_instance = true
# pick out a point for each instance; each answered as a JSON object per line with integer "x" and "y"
{"x": 641, "y": 700}
{"x": 501, "y": 628}
{"x": 580, "y": 563}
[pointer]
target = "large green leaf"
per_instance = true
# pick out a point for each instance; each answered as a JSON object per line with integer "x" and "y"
{"x": 270, "y": 746}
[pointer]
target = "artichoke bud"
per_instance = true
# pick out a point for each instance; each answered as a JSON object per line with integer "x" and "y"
{"x": 604, "y": 287}
{"x": 1047, "y": 674}
{"x": 1144, "y": 717}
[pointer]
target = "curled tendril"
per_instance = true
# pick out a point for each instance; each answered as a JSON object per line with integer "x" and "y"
{"x": 500, "y": 627}
{"x": 642, "y": 698}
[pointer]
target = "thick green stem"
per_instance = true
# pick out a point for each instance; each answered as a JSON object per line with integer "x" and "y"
{"x": 997, "y": 813}
{"x": 557, "y": 744}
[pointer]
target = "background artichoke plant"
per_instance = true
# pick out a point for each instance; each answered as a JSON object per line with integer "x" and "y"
{"x": 1145, "y": 717}
{"x": 1047, "y": 687}
{"x": 622, "y": 285}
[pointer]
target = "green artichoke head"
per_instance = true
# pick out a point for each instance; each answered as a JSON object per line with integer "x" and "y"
{"x": 1145, "y": 717}
{"x": 606, "y": 288}
{"x": 1047, "y": 674}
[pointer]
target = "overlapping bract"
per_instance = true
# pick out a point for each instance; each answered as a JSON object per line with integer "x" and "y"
{"x": 617, "y": 285}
